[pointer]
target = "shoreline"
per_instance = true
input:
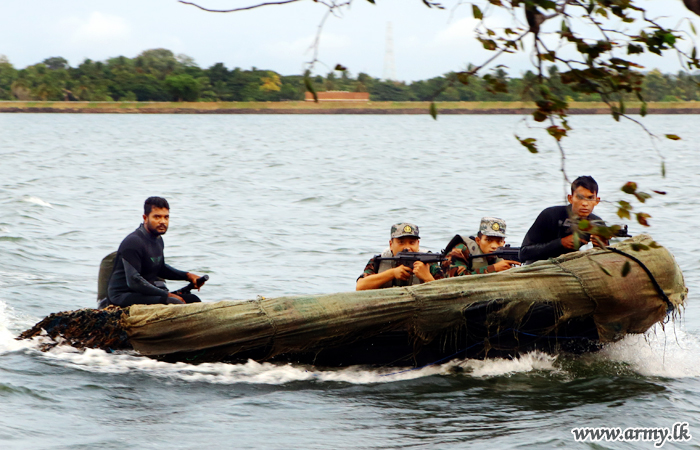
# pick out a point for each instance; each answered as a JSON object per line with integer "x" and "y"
{"x": 301, "y": 107}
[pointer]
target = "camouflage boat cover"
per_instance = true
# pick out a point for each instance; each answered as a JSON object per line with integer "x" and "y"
{"x": 576, "y": 284}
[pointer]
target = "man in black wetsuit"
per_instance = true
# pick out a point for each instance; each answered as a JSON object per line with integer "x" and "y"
{"x": 552, "y": 234}
{"x": 140, "y": 262}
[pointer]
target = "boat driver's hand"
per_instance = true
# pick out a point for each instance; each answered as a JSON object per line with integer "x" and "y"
{"x": 192, "y": 278}
{"x": 402, "y": 272}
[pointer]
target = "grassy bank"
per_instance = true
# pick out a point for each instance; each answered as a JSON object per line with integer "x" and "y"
{"x": 325, "y": 108}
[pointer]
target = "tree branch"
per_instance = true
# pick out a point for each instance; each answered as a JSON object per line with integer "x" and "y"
{"x": 237, "y": 9}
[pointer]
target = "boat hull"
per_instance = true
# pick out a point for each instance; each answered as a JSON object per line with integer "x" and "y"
{"x": 573, "y": 303}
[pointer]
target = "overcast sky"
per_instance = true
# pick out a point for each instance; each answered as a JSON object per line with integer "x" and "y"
{"x": 427, "y": 42}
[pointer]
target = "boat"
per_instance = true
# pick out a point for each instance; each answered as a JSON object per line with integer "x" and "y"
{"x": 574, "y": 303}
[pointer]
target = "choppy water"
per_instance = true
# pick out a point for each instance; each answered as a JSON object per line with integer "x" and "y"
{"x": 273, "y": 205}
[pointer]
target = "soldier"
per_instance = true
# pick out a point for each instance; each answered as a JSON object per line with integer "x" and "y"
{"x": 552, "y": 234}
{"x": 491, "y": 236}
{"x": 384, "y": 274}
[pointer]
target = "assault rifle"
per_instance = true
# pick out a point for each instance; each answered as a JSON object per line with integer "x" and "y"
{"x": 408, "y": 258}
{"x": 507, "y": 252}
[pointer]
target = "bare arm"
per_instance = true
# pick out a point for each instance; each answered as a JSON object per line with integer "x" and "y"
{"x": 376, "y": 280}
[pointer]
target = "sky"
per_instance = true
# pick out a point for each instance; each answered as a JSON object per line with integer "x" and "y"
{"x": 427, "y": 42}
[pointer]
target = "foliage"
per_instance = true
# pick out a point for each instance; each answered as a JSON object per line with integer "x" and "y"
{"x": 158, "y": 75}
{"x": 182, "y": 87}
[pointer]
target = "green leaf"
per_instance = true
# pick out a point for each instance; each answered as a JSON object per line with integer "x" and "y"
{"x": 309, "y": 85}
{"x": 643, "y": 109}
{"x": 642, "y": 219}
{"x": 463, "y": 77}
{"x": 528, "y": 143}
{"x": 539, "y": 116}
{"x": 634, "y": 49}
{"x": 626, "y": 269}
{"x": 630, "y": 187}
{"x": 433, "y": 110}
{"x": 673, "y": 137}
{"x": 654, "y": 244}
{"x": 605, "y": 271}
{"x": 556, "y": 132}
{"x": 638, "y": 247}
{"x": 340, "y": 67}
{"x": 372, "y": 2}
{"x": 584, "y": 224}
{"x": 642, "y": 196}
{"x": 692, "y": 28}
{"x": 623, "y": 213}
{"x": 477, "y": 12}
{"x": 663, "y": 169}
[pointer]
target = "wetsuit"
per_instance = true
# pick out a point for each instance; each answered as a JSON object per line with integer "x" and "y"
{"x": 138, "y": 265}
{"x": 543, "y": 239}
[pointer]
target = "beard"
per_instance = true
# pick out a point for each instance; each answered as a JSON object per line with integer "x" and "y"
{"x": 155, "y": 231}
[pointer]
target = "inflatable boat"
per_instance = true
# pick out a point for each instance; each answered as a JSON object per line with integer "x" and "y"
{"x": 574, "y": 303}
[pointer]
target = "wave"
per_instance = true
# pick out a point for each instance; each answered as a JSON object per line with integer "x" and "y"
{"x": 37, "y": 201}
{"x": 251, "y": 372}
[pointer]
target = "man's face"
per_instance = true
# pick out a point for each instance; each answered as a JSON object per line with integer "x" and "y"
{"x": 489, "y": 244}
{"x": 406, "y": 243}
{"x": 157, "y": 221}
{"x": 583, "y": 201}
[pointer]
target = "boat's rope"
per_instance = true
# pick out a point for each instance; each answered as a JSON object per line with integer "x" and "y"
{"x": 662, "y": 294}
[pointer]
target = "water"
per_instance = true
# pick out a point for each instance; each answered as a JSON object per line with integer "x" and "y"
{"x": 276, "y": 205}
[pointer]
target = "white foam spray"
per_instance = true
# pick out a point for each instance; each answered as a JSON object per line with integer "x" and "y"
{"x": 93, "y": 360}
{"x": 668, "y": 353}
{"x": 37, "y": 201}
{"x": 8, "y": 343}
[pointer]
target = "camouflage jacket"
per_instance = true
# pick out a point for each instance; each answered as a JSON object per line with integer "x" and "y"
{"x": 373, "y": 264}
{"x": 458, "y": 264}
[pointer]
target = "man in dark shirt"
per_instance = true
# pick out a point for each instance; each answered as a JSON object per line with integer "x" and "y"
{"x": 140, "y": 262}
{"x": 552, "y": 234}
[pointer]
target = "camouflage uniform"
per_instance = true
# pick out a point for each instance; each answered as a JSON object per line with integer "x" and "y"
{"x": 397, "y": 231}
{"x": 435, "y": 270}
{"x": 458, "y": 264}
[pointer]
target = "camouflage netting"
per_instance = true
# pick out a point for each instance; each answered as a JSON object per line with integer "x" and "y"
{"x": 83, "y": 328}
{"x": 575, "y": 284}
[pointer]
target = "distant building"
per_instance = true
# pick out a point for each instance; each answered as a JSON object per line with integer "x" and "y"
{"x": 338, "y": 96}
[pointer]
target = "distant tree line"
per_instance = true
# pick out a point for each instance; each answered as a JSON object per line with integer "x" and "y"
{"x": 160, "y": 75}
